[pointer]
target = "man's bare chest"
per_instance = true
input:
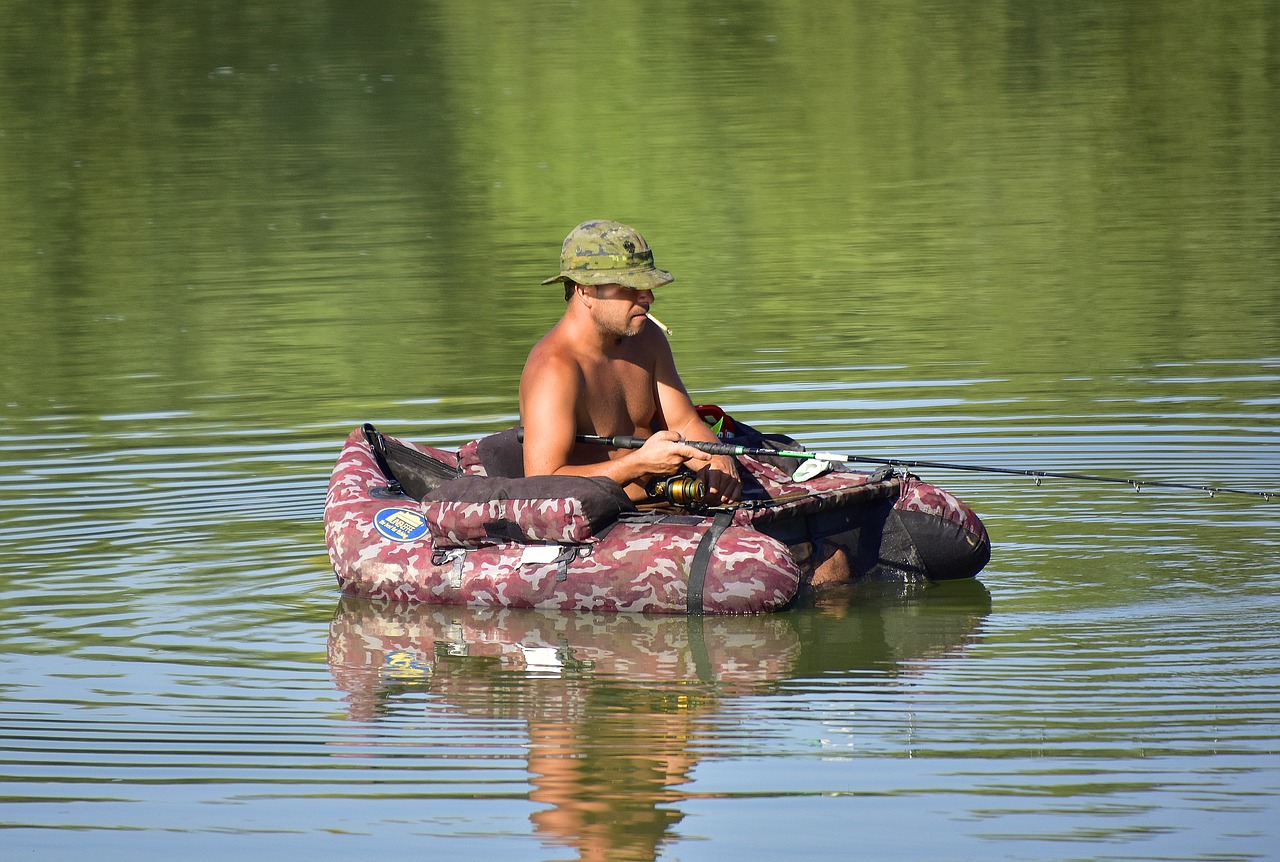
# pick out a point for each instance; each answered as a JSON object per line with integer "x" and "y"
{"x": 619, "y": 397}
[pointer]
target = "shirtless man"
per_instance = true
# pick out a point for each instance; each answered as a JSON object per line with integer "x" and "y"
{"x": 606, "y": 369}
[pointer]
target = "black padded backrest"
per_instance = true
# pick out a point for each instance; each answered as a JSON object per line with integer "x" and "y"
{"x": 502, "y": 455}
{"x": 416, "y": 473}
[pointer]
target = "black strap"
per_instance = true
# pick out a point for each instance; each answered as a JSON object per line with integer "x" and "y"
{"x": 378, "y": 447}
{"x": 567, "y": 555}
{"x": 698, "y": 648}
{"x": 702, "y": 558}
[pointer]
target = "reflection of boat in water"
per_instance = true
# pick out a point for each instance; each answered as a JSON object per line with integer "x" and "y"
{"x": 884, "y": 628}
{"x": 379, "y": 649}
{"x": 619, "y": 708}
{"x": 410, "y": 523}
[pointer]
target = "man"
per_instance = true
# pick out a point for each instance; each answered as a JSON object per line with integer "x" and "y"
{"x": 607, "y": 369}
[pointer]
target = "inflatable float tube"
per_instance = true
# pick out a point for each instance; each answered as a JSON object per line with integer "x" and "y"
{"x": 412, "y": 523}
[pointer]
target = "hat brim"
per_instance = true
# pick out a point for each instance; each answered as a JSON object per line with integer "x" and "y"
{"x": 636, "y": 279}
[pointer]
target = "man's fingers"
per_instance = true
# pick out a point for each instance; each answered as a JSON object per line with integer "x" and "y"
{"x": 722, "y": 487}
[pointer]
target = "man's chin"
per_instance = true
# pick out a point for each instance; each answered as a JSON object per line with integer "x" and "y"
{"x": 631, "y": 327}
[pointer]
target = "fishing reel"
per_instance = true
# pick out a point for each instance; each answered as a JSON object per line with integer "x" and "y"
{"x": 683, "y": 489}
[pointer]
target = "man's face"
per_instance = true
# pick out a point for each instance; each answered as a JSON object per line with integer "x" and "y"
{"x": 621, "y": 310}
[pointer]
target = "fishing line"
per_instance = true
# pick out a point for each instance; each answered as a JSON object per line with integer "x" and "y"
{"x": 910, "y": 464}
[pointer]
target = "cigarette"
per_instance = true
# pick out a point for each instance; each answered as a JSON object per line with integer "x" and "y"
{"x": 658, "y": 323}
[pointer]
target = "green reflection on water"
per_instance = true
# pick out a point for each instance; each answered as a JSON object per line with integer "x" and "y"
{"x": 221, "y": 199}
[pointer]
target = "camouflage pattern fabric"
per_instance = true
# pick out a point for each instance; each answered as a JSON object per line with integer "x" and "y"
{"x": 469, "y": 459}
{"x": 609, "y": 252}
{"x": 918, "y": 496}
{"x": 453, "y": 524}
{"x": 891, "y": 528}
{"x": 475, "y": 510}
{"x": 847, "y": 488}
{"x": 639, "y": 564}
{"x": 636, "y": 566}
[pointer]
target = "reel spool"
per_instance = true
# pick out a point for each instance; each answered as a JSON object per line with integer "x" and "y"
{"x": 679, "y": 490}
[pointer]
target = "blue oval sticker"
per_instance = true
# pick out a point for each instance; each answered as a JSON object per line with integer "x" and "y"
{"x": 401, "y": 525}
{"x": 405, "y": 666}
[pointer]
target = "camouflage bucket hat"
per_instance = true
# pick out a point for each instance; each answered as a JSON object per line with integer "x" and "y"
{"x": 608, "y": 252}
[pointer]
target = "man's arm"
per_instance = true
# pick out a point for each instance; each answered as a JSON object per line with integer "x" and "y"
{"x": 549, "y": 392}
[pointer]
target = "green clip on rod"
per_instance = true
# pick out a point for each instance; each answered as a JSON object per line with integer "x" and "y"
{"x": 831, "y": 457}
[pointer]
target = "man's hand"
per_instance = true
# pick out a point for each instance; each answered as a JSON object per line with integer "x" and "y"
{"x": 721, "y": 478}
{"x": 663, "y": 454}
{"x": 666, "y": 452}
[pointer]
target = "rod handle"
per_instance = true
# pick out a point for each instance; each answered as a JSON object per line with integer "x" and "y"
{"x": 626, "y": 442}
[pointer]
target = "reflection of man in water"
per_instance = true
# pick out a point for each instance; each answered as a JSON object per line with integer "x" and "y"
{"x": 611, "y": 720}
{"x": 608, "y": 726}
{"x": 610, "y": 785}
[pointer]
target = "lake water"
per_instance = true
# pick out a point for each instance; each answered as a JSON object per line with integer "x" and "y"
{"x": 1025, "y": 236}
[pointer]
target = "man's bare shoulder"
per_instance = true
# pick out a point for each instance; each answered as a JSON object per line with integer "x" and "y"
{"x": 551, "y": 350}
{"x": 552, "y": 359}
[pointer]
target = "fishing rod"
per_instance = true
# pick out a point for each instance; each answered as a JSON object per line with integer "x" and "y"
{"x": 626, "y": 442}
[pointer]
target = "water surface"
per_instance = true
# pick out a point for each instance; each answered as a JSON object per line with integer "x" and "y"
{"x": 1004, "y": 235}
